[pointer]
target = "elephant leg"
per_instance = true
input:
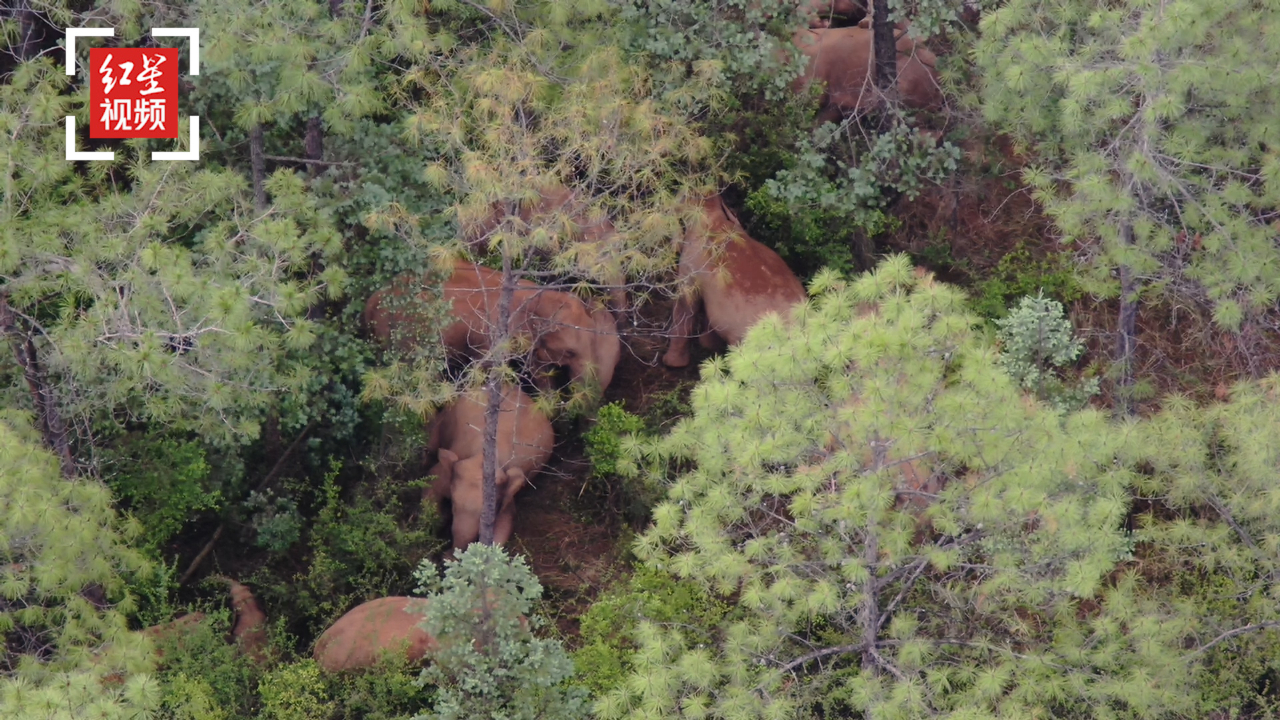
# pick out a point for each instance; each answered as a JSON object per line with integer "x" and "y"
{"x": 711, "y": 340}
{"x": 682, "y": 314}
{"x": 466, "y": 527}
{"x": 505, "y": 522}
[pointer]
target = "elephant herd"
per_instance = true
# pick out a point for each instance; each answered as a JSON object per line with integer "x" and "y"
{"x": 728, "y": 281}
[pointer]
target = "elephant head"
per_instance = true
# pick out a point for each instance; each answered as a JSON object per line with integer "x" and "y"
{"x": 586, "y": 343}
{"x": 463, "y": 482}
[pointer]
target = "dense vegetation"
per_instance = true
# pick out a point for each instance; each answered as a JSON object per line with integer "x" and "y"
{"x": 1017, "y": 456}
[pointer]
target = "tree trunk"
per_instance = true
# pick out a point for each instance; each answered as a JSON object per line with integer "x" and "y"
{"x": 258, "y": 163}
{"x": 493, "y": 384}
{"x": 886, "y": 51}
{"x": 48, "y": 419}
{"x": 1126, "y": 330}
{"x": 314, "y": 145}
{"x": 29, "y": 34}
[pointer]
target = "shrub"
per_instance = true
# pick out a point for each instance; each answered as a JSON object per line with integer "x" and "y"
{"x": 1037, "y": 342}
{"x": 609, "y": 626}
{"x": 360, "y": 549}
{"x": 1019, "y": 274}
{"x": 489, "y": 663}
{"x": 164, "y": 482}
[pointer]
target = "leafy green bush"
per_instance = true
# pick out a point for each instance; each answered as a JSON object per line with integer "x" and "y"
{"x": 489, "y": 663}
{"x": 604, "y": 440}
{"x": 360, "y": 549}
{"x": 164, "y": 482}
{"x": 1037, "y": 342}
{"x": 295, "y": 691}
{"x": 606, "y": 448}
{"x": 203, "y": 676}
{"x": 609, "y": 626}
{"x": 1018, "y": 274}
{"x": 275, "y": 519}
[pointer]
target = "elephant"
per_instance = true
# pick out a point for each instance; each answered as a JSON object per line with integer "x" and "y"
{"x": 525, "y": 441}
{"x": 735, "y": 284}
{"x": 843, "y": 60}
{"x": 561, "y": 329}
{"x": 553, "y": 199}
{"x": 360, "y": 638}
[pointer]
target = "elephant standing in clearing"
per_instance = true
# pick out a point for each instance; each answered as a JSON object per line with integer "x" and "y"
{"x": 561, "y": 330}
{"x": 555, "y": 199}
{"x": 735, "y": 283}
{"x": 843, "y": 59}
{"x": 525, "y": 441}
{"x": 369, "y": 631}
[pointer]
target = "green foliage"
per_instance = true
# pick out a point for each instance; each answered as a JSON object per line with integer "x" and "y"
{"x": 1019, "y": 274}
{"x": 203, "y": 676}
{"x": 274, "y": 519}
{"x": 1037, "y": 342}
{"x": 857, "y": 188}
{"x": 65, "y": 657}
{"x": 1153, "y": 127}
{"x": 360, "y": 548}
{"x": 606, "y": 445}
{"x": 794, "y": 503}
{"x": 164, "y": 482}
{"x": 605, "y": 439}
{"x": 608, "y": 629}
{"x": 295, "y": 691}
{"x": 490, "y": 665}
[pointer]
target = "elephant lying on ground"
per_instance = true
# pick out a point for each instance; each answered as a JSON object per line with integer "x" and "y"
{"x": 843, "y": 60}
{"x": 361, "y": 637}
{"x": 735, "y": 282}
{"x": 561, "y": 329}
{"x": 525, "y": 442}
{"x": 555, "y": 199}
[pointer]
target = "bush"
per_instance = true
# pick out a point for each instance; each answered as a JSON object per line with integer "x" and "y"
{"x": 1037, "y": 342}
{"x": 360, "y": 549}
{"x": 1019, "y": 274}
{"x": 489, "y": 664}
{"x": 164, "y": 482}
{"x": 606, "y": 443}
{"x": 295, "y": 691}
{"x": 608, "y": 628}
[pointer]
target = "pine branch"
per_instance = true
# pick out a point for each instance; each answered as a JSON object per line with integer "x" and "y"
{"x": 1233, "y": 633}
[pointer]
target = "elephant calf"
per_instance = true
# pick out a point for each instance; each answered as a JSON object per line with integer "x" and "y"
{"x": 552, "y": 200}
{"x": 843, "y": 60}
{"x": 525, "y": 440}
{"x": 367, "y": 632}
{"x": 561, "y": 329}
{"x": 736, "y": 282}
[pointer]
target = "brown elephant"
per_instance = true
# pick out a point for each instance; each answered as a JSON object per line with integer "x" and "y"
{"x": 843, "y": 60}
{"x": 369, "y": 631}
{"x": 552, "y": 200}
{"x": 560, "y": 328}
{"x": 525, "y": 442}
{"x": 735, "y": 283}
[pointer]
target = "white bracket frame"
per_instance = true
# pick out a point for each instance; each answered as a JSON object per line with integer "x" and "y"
{"x": 193, "y": 34}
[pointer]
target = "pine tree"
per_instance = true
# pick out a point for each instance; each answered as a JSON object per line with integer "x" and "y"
{"x": 906, "y": 533}
{"x": 63, "y": 601}
{"x": 1152, "y": 125}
